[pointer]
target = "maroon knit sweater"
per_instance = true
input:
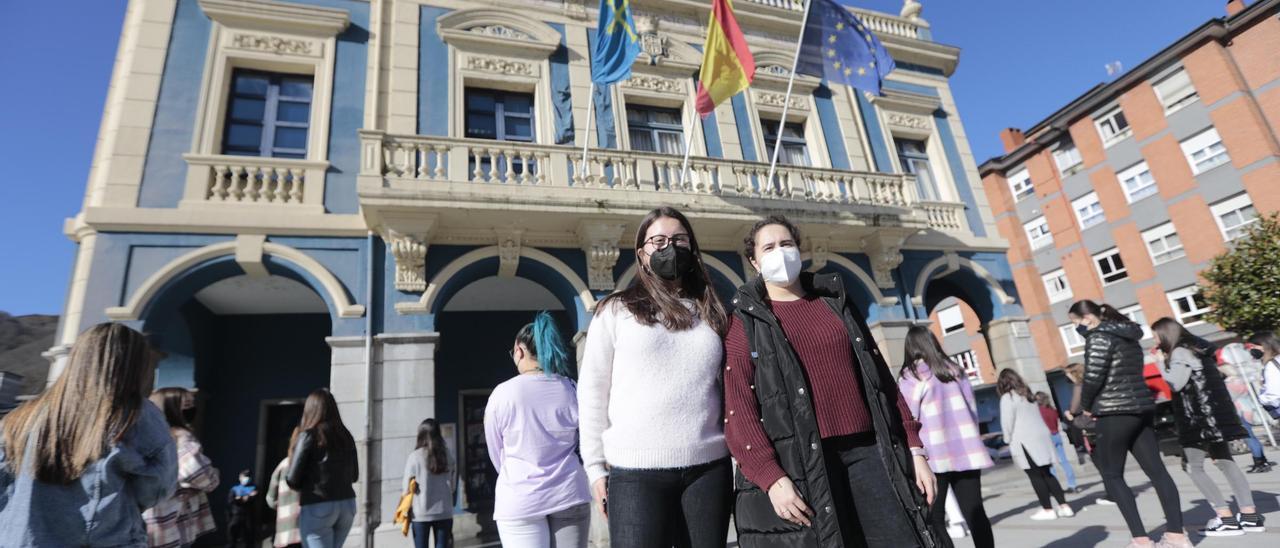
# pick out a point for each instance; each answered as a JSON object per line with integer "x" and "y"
{"x": 821, "y": 342}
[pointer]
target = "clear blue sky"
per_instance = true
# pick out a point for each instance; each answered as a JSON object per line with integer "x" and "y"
{"x": 1020, "y": 61}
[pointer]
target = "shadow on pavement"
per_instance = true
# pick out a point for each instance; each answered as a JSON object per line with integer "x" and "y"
{"x": 1088, "y": 537}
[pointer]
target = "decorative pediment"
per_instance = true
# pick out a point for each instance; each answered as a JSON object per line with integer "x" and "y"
{"x": 773, "y": 69}
{"x": 277, "y": 16}
{"x": 906, "y": 101}
{"x": 498, "y": 30}
{"x": 660, "y": 52}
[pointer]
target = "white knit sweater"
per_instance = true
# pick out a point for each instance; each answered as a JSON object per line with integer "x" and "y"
{"x": 648, "y": 397}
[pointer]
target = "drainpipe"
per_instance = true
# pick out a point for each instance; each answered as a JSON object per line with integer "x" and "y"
{"x": 367, "y": 487}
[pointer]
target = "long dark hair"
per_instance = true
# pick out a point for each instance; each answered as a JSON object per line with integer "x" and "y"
{"x": 429, "y": 438}
{"x": 90, "y": 407}
{"x": 651, "y": 302}
{"x": 545, "y": 344}
{"x": 1172, "y": 334}
{"x": 1010, "y": 381}
{"x": 169, "y": 400}
{"x": 1104, "y": 312}
{"x": 320, "y": 416}
{"x": 921, "y": 345}
{"x": 1267, "y": 340}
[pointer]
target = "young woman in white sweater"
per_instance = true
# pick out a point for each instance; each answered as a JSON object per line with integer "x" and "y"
{"x": 650, "y": 398}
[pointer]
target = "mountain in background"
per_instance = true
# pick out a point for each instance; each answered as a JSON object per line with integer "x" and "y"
{"x": 22, "y": 340}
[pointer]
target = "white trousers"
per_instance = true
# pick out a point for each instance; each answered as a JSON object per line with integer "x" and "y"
{"x": 564, "y": 529}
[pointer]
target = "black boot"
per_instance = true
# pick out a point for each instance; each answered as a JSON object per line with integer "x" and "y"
{"x": 1260, "y": 465}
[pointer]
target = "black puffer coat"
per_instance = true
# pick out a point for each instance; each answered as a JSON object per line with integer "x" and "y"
{"x": 1113, "y": 379}
{"x": 1203, "y": 409}
{"x": 787, "y": 414}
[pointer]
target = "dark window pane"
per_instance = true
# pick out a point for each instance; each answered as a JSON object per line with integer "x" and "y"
{"x": 637, "y": 115}
{"x": 244, "y": 136}
{"x": 479, "y": 101}
{"x": 291, "y": 137}
{"x": 641, "y": 140}
{"x": 482, "y": 126}
{"x": 293, "y": 87}
{"x": 519, "y": 127}
{"x": 248, "y": 109}
{"x": 251, "y": 84}
{"x": 670, "y": 117}
{"x": 519, "y": 103}
{"x": 298, "y": 155}
{"x": 794, "y": 131}
{"x": 290, "y": 111}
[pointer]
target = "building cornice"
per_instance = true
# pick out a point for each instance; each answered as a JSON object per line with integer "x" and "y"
{"x": 312, "y": 20}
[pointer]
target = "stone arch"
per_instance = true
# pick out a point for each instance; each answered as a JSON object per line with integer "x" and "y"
{"x": 716, "y": 265}
{"x": 860, "y": 275}
{"x": 965, "y": 274}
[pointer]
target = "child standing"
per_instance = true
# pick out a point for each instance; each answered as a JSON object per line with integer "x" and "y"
{"x": 240, "y": 510}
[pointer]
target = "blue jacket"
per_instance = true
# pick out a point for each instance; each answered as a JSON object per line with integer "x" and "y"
{"x": 101, "y": 508}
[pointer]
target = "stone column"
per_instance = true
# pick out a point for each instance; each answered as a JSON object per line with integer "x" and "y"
{"x": 1010, "y": 343}
{"x": 891, "y": 336}
{"x": 348, "y": 380}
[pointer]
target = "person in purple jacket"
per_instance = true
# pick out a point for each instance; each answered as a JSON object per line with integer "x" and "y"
{"x": 531, "y": 426}
{"x": 940, "y": 397}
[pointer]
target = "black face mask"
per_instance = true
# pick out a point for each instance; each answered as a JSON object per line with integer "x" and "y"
{"x": 1256, "y": 353}
{"x": 1082, "y": 330}
{"x": 189, "y": 415}
{"x": 671, "y": 262}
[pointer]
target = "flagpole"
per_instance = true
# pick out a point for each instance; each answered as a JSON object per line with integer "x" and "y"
{"x": 688, "y": 146}
{"x": 786, "y": 101}
{"x": 586, "y": 137}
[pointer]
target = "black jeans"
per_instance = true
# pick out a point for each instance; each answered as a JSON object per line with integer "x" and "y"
{"x": 443, "y": 530}
{"x": 968, "y": 488}
{"x": 1043, "y": 482}
{"x": 681, "y": 507}
{"x": 866, "y": 503}
{"x": 1122, "y": 434}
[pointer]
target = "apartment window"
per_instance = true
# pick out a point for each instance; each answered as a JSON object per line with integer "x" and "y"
{"x": 914, "y": 157}
{"x": 1163, "y": 243}
{"x": 1235, "y": 216}
{"x": 1137, "y": 182}
{"x": 1175, "y": 91}
{"x": 1205, "y": 151}
{"x": 794, "y": 152}
{"x": 1188, "y": 305}
{"x": 1071, "y": 339}
{"x": 655, "y": 129}
{"x": 1136, "y": 315}
{"x": 951, "y": 320}
{"x": 268, "y": 115}
{"x": 1088, "y": 210}
{"x": 1067, "y": 157}
{"x": 1038, "y": 232}
{"x": 1055, "y": 283}
{"x": 1020, "y": 184}
{"x": 1110, "y": 266}
{"x": 1113, "y": 127}
{"x": 969, "y": 362}
{"x": 499, "y": 115}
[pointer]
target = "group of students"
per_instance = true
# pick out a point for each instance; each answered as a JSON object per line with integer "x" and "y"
{"x": 98, "y": 459}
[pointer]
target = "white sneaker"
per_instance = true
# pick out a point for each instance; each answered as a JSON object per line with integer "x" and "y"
{"x": 1044, "y": 514}
{"x": 957, "y": 531}
{"x": 1065, "y": 511}
{"x": 1216, "y": 528}
{"x": 1105, "y": 501}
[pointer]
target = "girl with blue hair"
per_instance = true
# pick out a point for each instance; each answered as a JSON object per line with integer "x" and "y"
{"x": 531, "y": 426}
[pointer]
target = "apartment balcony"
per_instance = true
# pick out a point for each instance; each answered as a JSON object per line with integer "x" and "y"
{"x": 471, "y": 186}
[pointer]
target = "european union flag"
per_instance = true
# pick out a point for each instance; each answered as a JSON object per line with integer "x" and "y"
{"x": 617, "y": 43}
{"x": 836, "y": 45}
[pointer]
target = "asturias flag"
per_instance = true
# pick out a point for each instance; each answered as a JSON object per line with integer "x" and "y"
{"x": 838, "y": 46}
{"x": 727, "y": 64}
{"x": 617, "y": 43}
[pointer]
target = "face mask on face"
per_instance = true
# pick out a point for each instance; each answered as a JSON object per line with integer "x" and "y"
{"x": 1256, "y": 353}
{"x": 671, "y": 262}
{"x": 244, "y": 480}
{"x": 1082, "y": 329}
{"x": 781, "y": 266}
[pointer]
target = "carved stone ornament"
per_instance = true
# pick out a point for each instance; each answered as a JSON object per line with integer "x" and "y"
{"x": 502, "y": 66}
{"x": 819, "y": 253}
{"x": 776, "y": 100}
{"x": 576, "y": 9}
{"x": 655, "y": 83}
{"x": 411, "y": 258}
{"x": 501, "y": 31}
{"x": 885, "y": 253}
{"x": 600, "y": 244}
{"x": 776, "y": 70}
{"x": 509, "y": 243}
{"x": 274, "y": 44}
{"x": 908, "y": 121}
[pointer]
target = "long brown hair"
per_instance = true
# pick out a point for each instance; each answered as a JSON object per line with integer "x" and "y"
{"x": 1010, "y": 381}
{"x": 1172, "y": 334}
{"x": 169, "y": 400}
{"x": 320, "y": 416}
{"x": 98, "y": 397}
{"x": 651, "y": 302}
{"x": 920, "y": 344}
{"x": 429, "y": 438}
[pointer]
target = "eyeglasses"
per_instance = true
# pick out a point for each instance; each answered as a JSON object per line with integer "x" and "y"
{"x": 661, "y": 241}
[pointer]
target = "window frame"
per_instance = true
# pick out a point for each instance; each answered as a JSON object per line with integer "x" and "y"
{"x": 1043, "y": 241}
{"x": 1091, "y": 199}
{"x": 769, "y": 130}
{"x": 1061, "y": 295}
{"x": 1233, "y": 205}
{"x": 653, "y": 128}
{"x": 1022, "y": 175}
{"x": 1111, "y": 116}
{"x": 1134, "y": 172}
{"x": 928, "y": 192}
{"x": 1162, "y": 233}
{"x": 1191, "y": 292}
{"x": 1059, "y": 152}
{"x": 1130, "y": 311}
{"x": 1068, "y": 333}
{"x": 500, "y": 114}
{"x": 1176, "y": 103}
{"x": 1117, "y": 264}
{"x": 949, "y": 329}
{"x": 269, "y": 123}
{"x": 969, "y": 363}
{"x": 1200, "y": 142}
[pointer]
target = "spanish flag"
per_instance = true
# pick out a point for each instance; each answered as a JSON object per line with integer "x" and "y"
{"x": 727, "y": 64}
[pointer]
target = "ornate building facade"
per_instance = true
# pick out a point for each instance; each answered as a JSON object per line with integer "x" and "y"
{"x": 373, "y": 196}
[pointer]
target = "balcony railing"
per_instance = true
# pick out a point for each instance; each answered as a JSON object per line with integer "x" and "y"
{"x": 881, "y": 23}
{"x": 485, "y": 162}
{"x": 944, "y": 216}
{"x": 259, "y": 180}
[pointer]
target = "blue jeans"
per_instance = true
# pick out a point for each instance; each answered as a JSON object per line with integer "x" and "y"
{"x": 1062, "y": 459}
{"x": 326, "y": 524}
{"x": 442, "y": 528}
{"x": 1255, "y": 446}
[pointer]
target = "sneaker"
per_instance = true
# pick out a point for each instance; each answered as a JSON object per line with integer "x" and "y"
{"x": 1167, "y": 542}
{"x": 1105, "y": 501}
{"x": 1217, "y": 528}
{"x": 1044, "y": 514}
{"x": 1252, "y": 523}
{"x": 957, "y": 531}
{"x": 1064, "y": 511}
{"x": 1260, "y": 468}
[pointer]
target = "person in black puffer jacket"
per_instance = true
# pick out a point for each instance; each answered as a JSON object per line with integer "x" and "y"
{"x": 1116, "y": 393}
{"x": 1207, "y": 423}
{"x": 322, "y": 469}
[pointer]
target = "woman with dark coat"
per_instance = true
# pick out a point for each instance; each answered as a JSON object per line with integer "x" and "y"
{"x": 1116, "y": 393}
{"x": 829, "y": 454}
{"x": 1207, "y": 423}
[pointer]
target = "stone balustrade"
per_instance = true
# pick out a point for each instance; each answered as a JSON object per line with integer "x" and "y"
{"x": 945, "y": 216}
{"x": 882, "y": 24}
{"x": 223, "y": 179}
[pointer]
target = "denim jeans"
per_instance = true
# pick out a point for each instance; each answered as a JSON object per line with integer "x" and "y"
{"x": 326, "y": 524}
{"x": 567, "y": 528}
{"x": 865, "y": 500}
{"x": 1062, "y": 460}
{"x": 681, "y": 507}
{"x": 442, "y": 528}
{"x": 1255, "y": 445}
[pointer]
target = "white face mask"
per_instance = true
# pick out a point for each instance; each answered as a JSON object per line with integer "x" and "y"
{"x": 781, "y": 266}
